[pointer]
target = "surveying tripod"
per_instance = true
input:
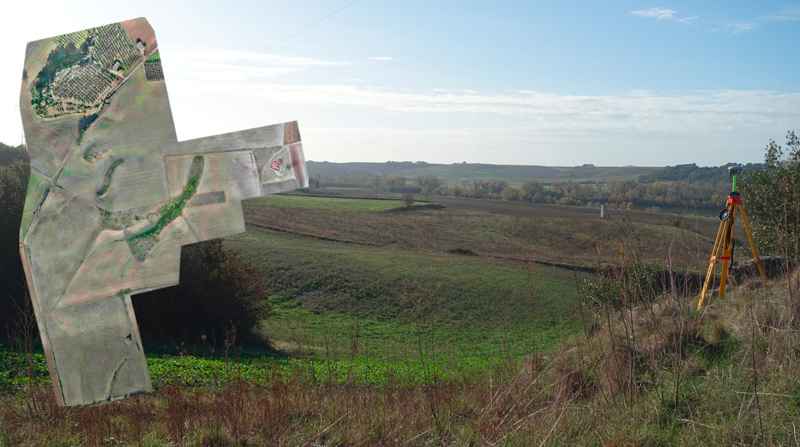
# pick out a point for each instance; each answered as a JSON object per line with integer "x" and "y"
{"x": 723, "y": 246}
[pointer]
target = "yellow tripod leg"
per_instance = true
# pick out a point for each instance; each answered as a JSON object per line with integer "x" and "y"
{"x": 711, "y": 264}
{"x": 753, "y": 246}
{"x": 727, "y": 245}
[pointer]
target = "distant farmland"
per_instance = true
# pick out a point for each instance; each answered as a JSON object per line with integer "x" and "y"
{"x": 515, "y": 175}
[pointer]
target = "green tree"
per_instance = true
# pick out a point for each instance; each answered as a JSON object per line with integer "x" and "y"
{"x": 13, "y": 288}
{"x": 8, "y": 154}
{"x": 772, "y": 199}
{"x": 218, "y": 290}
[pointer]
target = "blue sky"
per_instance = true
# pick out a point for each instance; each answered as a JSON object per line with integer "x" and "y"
{"x": 547, "y": 83}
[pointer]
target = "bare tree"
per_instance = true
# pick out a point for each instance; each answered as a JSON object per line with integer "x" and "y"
{"x": 408, "y": 199}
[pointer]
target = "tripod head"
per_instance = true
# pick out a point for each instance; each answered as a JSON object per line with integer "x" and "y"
{"x": 733, "y": 171}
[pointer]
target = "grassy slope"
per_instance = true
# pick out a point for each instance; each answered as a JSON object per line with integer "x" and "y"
{"x": 420, "y": 347}
{"x": 395, "y": 289}
{"x": 396, "y": 271}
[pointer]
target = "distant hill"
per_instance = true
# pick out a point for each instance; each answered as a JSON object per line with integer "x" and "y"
{"x": 515, "y": 175}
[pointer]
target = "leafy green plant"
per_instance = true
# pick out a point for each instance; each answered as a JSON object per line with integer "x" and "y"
{"x": 634, "y": 282}
{"x": 772, "y": 199}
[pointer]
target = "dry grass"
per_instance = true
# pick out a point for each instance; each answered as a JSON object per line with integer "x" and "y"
{"x": 727, "y": 376}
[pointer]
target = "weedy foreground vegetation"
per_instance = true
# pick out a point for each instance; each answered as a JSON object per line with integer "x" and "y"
{"x": 457, "y": 327}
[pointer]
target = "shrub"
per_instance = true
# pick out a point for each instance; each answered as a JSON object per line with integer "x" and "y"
{"x": 635, "y": 282}
{"x": 218, "y": 291}
{"x": 772, "y": 199}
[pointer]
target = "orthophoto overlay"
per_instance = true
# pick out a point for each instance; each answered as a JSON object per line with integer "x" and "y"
{"x": 113, "y": 195}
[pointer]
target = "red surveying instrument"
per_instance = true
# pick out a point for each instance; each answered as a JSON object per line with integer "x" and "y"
{"x": 724, "y": 241}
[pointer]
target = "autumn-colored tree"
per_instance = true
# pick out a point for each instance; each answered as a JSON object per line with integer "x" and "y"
{"x": 427, "y": 183}
{"x": 396, "y": 180}
{"x": 530, "y": 189}
{"x": 509, "y": 193}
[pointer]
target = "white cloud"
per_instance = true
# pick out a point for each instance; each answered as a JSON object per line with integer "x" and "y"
{"x": 636, "y": 108}
{"x": 738, "y": 27}
{"x": 228, "y": 65}
{"x": 656, "y": 13}
{"x": 381, "y": 58}
{"x": 551, "y": 144}
{"x": 358, "y": 123}
{"x": 664, "y": 14}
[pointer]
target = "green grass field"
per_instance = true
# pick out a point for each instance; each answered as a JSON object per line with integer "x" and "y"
{"x": 338, "y": 290}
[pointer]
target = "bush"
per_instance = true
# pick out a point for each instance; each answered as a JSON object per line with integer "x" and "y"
{"x": 772, "y": 199}
{"x": 13, "y": 288}
{"x": 408, "y": 199}
{"x": 218, "y": 291}
{"x": 635, "y": 282}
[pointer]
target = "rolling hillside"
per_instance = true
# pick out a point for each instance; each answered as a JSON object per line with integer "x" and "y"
{"x": 456, "y": 172}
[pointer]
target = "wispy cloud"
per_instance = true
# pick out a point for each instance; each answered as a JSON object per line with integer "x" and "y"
{"x": 732, "y": 27}
{"x": 783, "y": 16}
{"x": 656, "y": 13}
{"x": 636, "y": 108}
{"x": 381, "y": 58}
{"x": 229, "y": 65}
{"x": 638, "y": 127}
{"x": 738, "y": 27}
{"x": 663, "y": 14}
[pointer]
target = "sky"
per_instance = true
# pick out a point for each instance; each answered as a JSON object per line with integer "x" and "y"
{"x": 651, "y": 83}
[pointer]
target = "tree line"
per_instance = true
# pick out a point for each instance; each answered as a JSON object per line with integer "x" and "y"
{"x": 640, "y": 193}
